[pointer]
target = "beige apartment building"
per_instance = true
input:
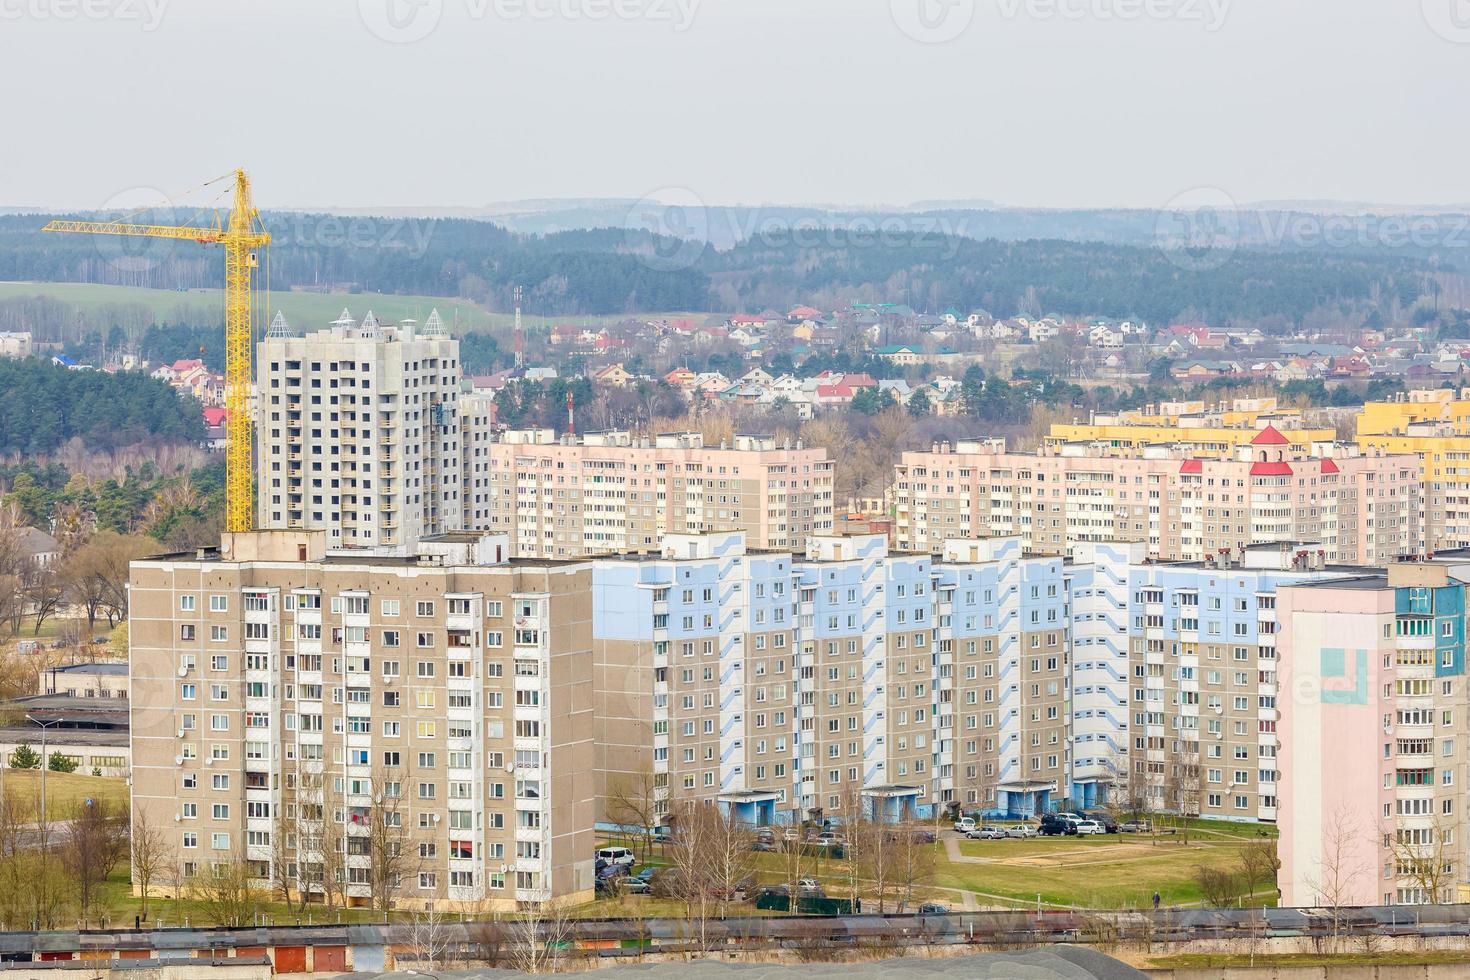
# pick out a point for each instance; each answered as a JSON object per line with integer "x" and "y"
{"x": 359, "y": 432}
{"x": 415, "y": 730}
{"x": 611, "y": 492}
{"x": 1362, "y": 507}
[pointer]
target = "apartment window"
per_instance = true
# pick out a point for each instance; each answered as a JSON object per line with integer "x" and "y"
{"x": 186, "y": 603}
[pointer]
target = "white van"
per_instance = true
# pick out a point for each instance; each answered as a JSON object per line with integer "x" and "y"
{"x": 614, "y": 856}
{"x": 964, "y": 824}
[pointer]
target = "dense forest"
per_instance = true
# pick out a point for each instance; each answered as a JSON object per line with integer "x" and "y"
{"x": 612, "y": 270}
{"x": 43, "y": 406}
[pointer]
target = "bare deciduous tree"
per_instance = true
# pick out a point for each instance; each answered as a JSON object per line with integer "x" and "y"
{"x": 1216, "y": 885}
{"x": 151, "y": 855}
{"x": 540, "y": 938}
{"x": 633, "y": 801}
{"x": 913, "y": 862}
{"x": 1426, "y": 858}
{"x": 392, "y": 856}
{"x": 94, "y": 843}
{"x": 1258, "y": 865}
{"x": 227, "y": 893}
{"x": 429, "y": 936}
{"x": 1338, "y": 871}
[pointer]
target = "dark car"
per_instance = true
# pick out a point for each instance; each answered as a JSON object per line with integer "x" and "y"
{"x": 933, "y": 908}
{"x": 1055, "y": 827}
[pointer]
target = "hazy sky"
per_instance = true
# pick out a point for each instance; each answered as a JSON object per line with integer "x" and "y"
{"x": 1025, "y": 102}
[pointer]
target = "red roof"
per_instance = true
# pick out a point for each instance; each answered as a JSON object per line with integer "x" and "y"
{"x": 858, "y": 381}
{"x": 1192, "y": 466}
{"x": 834, "y": 391}
{"x": 1328, "y": 466}
{"x": 1271, "y": 469}
{"x": 214, "y": 417}
{"x": 1269, "y": 436}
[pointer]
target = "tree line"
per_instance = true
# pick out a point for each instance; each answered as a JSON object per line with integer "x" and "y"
{"x": 43, "y": 406}
{"x": 610, "y": 270}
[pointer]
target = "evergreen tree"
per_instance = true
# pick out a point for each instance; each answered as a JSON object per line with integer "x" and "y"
{"x": 25, "y": 757}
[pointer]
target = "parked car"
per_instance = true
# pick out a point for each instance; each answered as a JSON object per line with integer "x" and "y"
{"x": 1088, "y": 827}
{"x": 964, "y": 825}
{"x": 615, "y": 855}
{"x": 808, "y": 887}
{"x": 988, "y": 833}
{"x": 1022, "y": 830}
{"x": 829, "y": 838}
{"x": 637, "y": 886}
{"x": 1137, "y": 827}
{"x": 933, "y": 908}
{"x": 1056, "y": 827}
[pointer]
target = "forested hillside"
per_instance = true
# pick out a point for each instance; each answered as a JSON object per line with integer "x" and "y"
{"x": 613, "y": 271}
{"x": 43, "y": 406}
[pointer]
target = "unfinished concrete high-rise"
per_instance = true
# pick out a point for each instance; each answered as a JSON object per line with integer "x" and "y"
{"x": 359, "y": 432}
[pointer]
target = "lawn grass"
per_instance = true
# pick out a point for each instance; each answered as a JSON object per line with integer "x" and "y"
{"x": 64, "y": 790}
{"x": 303, "y": 310}
{"x": 1095, "y": 872}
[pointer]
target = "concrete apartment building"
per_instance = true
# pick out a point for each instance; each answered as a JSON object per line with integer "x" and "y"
{"x": 1204, "y": 689}
{"x": 1215, "y": 431}
{"x": 786, "y": 687}
{"x": 359, "y": 433}
{"x": 1362, "y": 508}
{"x": 1373, "y": 737}
{"x": 610, "y": 492}
{"x": 293, "y": 708}
{"x": 1434, "y": 428}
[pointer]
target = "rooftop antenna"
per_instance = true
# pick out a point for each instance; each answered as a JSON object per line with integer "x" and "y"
{"x": 520, "y": 336}
{"x": 571, "y": 414}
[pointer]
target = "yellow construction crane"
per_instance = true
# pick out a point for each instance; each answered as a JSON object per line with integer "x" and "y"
{"x": 243, "y": 237}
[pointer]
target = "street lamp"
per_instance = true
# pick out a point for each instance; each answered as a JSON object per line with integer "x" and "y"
{"x": 45, "y": 726}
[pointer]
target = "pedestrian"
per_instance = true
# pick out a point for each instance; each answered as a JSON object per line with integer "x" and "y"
{"x": 1156, "y": 901}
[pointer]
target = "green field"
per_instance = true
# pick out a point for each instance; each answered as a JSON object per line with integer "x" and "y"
{"x": 303, "y": 310}
{"x": 1111, "y": 871}
{"x": 64, "y": 790}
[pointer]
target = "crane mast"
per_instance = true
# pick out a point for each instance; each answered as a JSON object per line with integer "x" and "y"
{"x": 242, "y": 236}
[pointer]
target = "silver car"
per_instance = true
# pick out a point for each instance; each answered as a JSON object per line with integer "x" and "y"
{"x": 1022, "y": 830}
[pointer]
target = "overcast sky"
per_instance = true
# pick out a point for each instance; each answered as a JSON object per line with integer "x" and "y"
{"x": 1053, "y": 103}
